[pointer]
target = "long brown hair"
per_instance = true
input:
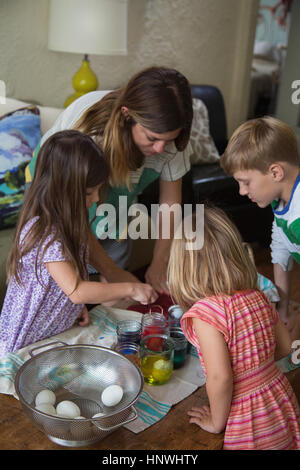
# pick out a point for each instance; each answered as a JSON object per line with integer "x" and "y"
{"x": 69, "y": 162}
{"x": 158, "y": 98}
{"x": 222, "y": 265}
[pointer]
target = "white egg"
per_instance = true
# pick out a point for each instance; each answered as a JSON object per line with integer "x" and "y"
{"x": 46, "y": 408}
{"x": 68, "y": 409}
{"x": 45, "y": 396}
{"x": 98, "y": 415}
{"x": 112, "y": 395}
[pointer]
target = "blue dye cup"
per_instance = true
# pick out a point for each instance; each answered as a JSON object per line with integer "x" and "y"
{"x": 129, "y": 331}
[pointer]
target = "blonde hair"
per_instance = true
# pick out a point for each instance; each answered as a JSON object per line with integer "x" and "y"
{"x": 221, "y": 266}
{"x": 158, "y": 98}
{"x": 258, "y": 143}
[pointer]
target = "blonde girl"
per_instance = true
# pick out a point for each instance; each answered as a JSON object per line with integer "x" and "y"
{"x": 239, "y": 336}
{"x": 47, "y": 266}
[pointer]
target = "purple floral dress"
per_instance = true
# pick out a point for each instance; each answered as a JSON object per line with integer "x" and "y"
{"x": 32, "y": 312}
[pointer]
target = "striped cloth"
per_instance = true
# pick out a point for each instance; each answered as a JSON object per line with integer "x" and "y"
{"x": 154, "y": 402}
{"x": 264, "y": 412}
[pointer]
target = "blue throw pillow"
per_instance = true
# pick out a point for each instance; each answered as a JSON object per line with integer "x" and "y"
{"x": 20, "y": 132}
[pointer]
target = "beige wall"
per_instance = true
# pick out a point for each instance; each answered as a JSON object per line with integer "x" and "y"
{"x": 210, "y": 41}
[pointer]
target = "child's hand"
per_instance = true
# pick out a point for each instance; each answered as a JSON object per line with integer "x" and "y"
{"x": 83, "y": 319}
{"x": 143, "y": 293}
{"x": 202, "y": 417}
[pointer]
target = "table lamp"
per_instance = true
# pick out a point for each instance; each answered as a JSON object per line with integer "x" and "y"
{"x": 87, "y": 27}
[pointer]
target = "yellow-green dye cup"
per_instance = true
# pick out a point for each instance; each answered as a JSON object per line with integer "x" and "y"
{"x": 157, "y": 359}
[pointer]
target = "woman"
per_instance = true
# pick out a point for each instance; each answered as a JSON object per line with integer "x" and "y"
{"x": 143, "y": 129}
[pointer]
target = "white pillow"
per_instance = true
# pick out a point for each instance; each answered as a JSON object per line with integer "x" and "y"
{"x": 48, "y": 114}
{"x": 204, "y": 149}
{"x": 10, "y": 105}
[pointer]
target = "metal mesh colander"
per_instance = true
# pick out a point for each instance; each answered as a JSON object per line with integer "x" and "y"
{"x": 79, "y": 373}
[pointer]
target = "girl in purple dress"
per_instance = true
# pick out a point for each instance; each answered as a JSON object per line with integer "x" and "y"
{"x": 47, "y": 265}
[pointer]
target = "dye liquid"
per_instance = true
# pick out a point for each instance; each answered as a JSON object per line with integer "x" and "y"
{"x": 181, "y": 344}
{"x": 179, "y": 358}
{"x": 131, "y": 351}
{"x": 129, "y": 337}
{"x": 156, "y": 369}
{"x": 129, "y": 331}
{"x": 154, "y": 324}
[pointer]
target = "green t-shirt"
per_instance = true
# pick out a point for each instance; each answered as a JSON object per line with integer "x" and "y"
{"x": 286, "y": 229}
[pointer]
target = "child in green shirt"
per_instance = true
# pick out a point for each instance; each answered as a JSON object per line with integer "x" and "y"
{"x": 263, "y": 157}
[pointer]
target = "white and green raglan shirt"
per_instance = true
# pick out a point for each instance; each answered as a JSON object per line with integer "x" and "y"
{"x": 285, "y": 245}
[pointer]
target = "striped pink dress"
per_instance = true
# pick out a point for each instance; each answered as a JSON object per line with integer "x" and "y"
{"x": 264, "y": 411}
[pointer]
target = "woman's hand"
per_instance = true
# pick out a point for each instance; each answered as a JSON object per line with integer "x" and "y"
{"x": 203, "y": 418}
{"x": 83, "y": 319}
{"x": 156, "y": 276}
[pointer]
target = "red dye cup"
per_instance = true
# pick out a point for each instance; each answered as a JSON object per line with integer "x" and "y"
{"x": 154, "y": 323}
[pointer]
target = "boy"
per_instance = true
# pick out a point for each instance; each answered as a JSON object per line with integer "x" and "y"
{"x": 263, "y": 157}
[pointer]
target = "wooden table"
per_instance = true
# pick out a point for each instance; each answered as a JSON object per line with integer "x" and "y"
{"x": 173, "y": 432}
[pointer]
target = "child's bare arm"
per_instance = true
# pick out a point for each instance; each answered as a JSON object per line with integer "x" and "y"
{"x": 87, "y": 292}
{"x": 283, "y": 340}
{"x": 219, "y": 382}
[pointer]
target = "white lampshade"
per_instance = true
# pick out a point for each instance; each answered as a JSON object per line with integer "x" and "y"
{"x": 88, "y": 26}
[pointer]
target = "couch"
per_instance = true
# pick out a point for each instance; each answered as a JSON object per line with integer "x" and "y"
{"x": 205, "y": 182}
{"x": 48, "y": 115}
